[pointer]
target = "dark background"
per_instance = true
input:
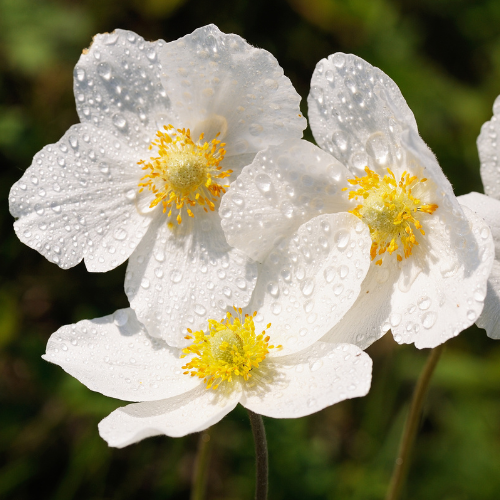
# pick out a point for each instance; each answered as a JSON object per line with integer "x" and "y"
{"x": 445, "y": 57}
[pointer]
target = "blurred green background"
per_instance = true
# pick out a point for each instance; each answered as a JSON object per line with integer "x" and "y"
{"x": 445, "y": 57}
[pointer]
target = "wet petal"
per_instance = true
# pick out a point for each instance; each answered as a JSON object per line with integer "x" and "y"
{"x": 177, "y": 279}
{"x": 190, "y": 412}
{"x": 310, "y": 380}
{"x": 115, "y": 356}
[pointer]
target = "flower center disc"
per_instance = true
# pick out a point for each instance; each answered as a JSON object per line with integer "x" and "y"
{"x": 390, "y": 210}
{"x": 185, "y": 173}
{"x": 230, "y": 348}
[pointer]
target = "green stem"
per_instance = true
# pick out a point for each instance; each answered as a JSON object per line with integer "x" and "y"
{"x": 201, "y": 466}
{"x": 411, "y": 426}
{"x": 259, "y": 436}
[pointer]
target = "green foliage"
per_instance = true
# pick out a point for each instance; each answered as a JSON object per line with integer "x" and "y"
{"x": 445, "y": 56}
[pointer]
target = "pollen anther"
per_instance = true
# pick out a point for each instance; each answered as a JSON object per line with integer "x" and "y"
{"x": 390, "y": 210}
{"x": 185, "y": 173}
{"x": 230, "y": 348}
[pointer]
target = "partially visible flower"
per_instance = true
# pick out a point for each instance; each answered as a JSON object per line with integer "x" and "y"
{"x": 488, "y": 207}
{"x": 163, "y": 127}
{"x": 268, "y": 359}
{"x": 430, "y": 258}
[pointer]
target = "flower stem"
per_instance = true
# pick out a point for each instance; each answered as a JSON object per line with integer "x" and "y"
{"x": 201, "y": 466}
{"x": 259, "y": 436}
{"x": 411, "y": 426}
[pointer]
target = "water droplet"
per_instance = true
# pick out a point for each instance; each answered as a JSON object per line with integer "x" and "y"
{"x": 338, "y": 60}
{"x": 199, "y": 309}
{"x": 395, "y": 319}
{"x": 145, "y": 283}
{"x": 119, "y": 121}
{"x": 120, "y": 234}
{"x": 316, "y": 365}
{"x": 329, "y": 274}
{"x": 255, "y": 129}
{"x": 342, "y": 239}
{"x": 273, "y": 289}
{"x": 175, "y": 276}
{"x": 104, "y": 70}
{"x": 120, "y": 317}
{"x": 428, "y": 319}
{"x": 159, "y": 272}
{"x": 307, "y": 287}
{"x": 424, "y": 303}
{"x": 263, "y": 183}
{"x": 343, "y": 271}
{"x": 471, "y": 315}
{"x": 80, "y": 74}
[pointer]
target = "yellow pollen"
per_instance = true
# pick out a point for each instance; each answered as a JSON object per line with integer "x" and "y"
{"x": 184, "y": 173}
{"x": 390, "y": 210}
{"x": 230, "y": 349}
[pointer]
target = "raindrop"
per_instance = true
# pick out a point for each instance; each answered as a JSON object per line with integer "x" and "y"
{"x": 120, "y": 317}
{"x": 263, "y": 183}
{"x": 342, "y": 238}
{"x": 424, "y": 303}
{"x": 428, "y": 319}
{"x": 307, "y": 287}
{"x": 175, "y": 276}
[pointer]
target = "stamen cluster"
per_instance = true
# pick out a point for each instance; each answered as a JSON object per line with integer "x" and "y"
{"x": 390, "y": 210}
{"x": 230, "y": 348}
{"x": 183, "y": 173}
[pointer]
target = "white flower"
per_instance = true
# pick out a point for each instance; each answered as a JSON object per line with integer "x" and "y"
{"x": 430, "y": 258}
{"x": 306, "y": 285}
{"x": 136, "y": 178}
{"x": 488, "y": 207}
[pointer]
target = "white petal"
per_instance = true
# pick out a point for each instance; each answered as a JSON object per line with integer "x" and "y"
{"x": 311, "y": 279}
{"x": 115, "y": 356}
{"x": 489, "y": 209}
{"x": 77, "y": 200}
{"x": 354, "y": 110}
{"x": 359, "y": 115}
{"x": 179, "y": 278}
{"x": 309, "y": 381}
{"x": 489, "y": 153}
{"x": 283, "y": 187}
{"x": 490, "y": 317}
{"x": 448, "y": 296}
{"x": 191, "y": 412}
{"x": 220, "y": 83}
{"x": 368, "y": 319}
{"x": 118, "y": 87}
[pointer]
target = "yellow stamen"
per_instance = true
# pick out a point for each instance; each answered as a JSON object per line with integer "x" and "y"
{"x": 390, "y": 210}
{"x": 183, "y": 173}
{"x": 230, "y": 348}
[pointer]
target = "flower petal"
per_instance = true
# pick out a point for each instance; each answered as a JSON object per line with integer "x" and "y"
{"x": 220, "y": 83}
{"x": 78, "y": 200}
{"x": 359, "y": 115}
{"x": 488, "y": 209}
{"x": 311, "y": 279}
{"x": 118, "y": 87}
{"x": 367, "y": 320}
{"x": 489, "y": 153}
{"x": 449, "y": 296}
{"x": 490, "y": 317}
{"x": 115, "y": 356}
{"x": 179, "y": 278}
{"x": 190, "y": 412}
{"x": 285, "y": 186}
{"x": 354, "y": 109}
{"x": 310, "y": 380}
